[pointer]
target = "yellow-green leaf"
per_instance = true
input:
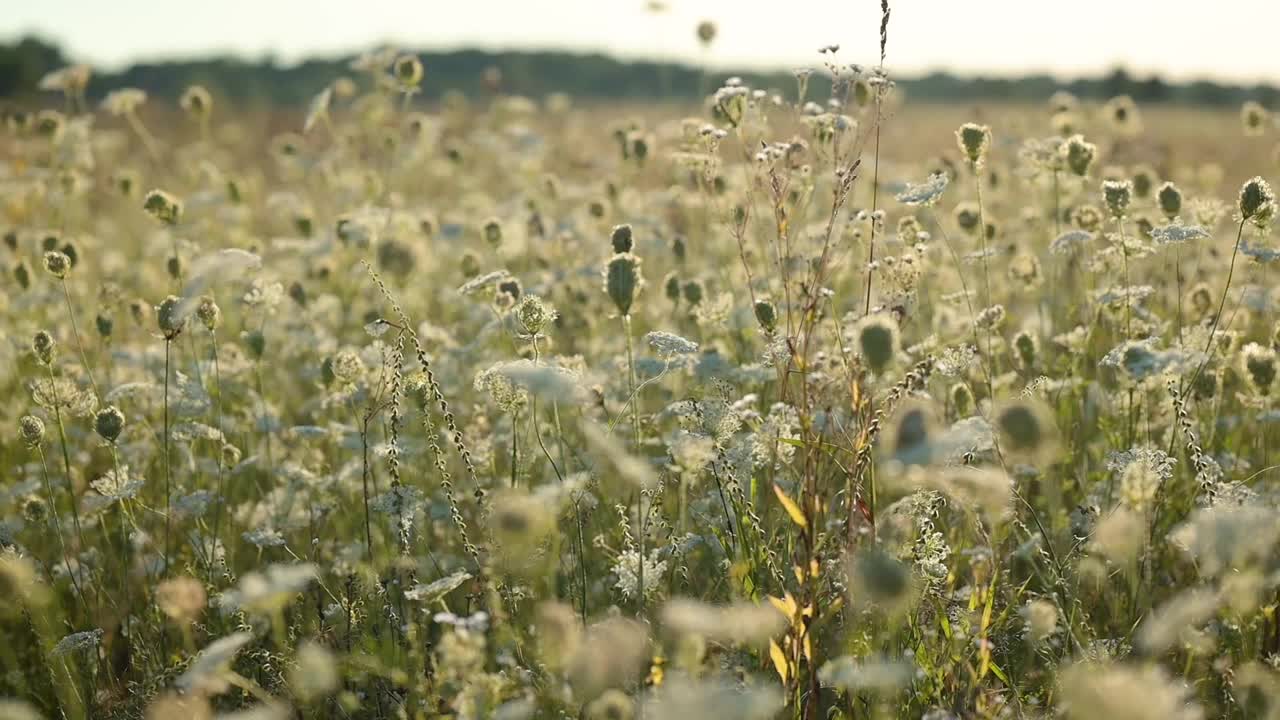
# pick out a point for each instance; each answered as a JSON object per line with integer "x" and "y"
{"x": 791, "y": 507}
{"x": 779, "y": 660}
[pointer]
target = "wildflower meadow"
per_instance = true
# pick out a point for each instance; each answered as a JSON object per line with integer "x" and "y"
{"x": 806, "y": 402}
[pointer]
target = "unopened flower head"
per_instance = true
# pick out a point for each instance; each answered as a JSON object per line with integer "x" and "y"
{"x": 1257, "y": 202}
{"x": 1254, "y": 118}
{"x": 877, "y": 338}
{"x": 209, "y": 313}
{"x": 43, "y": 346}
{"x": 1117, "y": 194}
{"x": 1259, "y": 365}
{"x": 1170, "y": 199}
{"x": 974, "y": 140}
{"x": 196, "y": 101}
{"x": 31, "y": 430}
{"x": 1079, "y": 154}
{"x": 163, "y": 207}
{"x": 623, "y": 281}
{"x": 170, "y": 317}
{"x": 109, "y": 423}
{"x": 621, "y": 239}
{"x": 58, "y": 264}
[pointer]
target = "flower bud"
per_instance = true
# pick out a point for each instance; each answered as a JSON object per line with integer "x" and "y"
{"x": 169, "y": 317}
{"x": 31, "y": 428}
{"x": 209, "y": 313}
{"x": 974, "y": 140}
{"x": 1079, "y": 154}
{"x": 408, "y": 71}
{"x": 1170, "y": 199}
{"x": 1257, "y": 202}
{"x": 57, "y": 264}
{"x": 623, "y": 280}
{"x": 621, "y": 239}
{"x": 163, "y": 207}
{"x": 42, "y": 345}
{"x": 1117, "y": 194}
{"x": 766, "y": 315}
{"x": 109, "y": 423}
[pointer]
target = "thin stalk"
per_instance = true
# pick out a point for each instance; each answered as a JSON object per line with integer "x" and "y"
{"x": 75, "y": 331}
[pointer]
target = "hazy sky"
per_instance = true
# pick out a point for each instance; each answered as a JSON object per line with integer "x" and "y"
{"x": 1222, "y": 39}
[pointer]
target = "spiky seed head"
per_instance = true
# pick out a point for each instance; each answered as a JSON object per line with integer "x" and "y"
{"x": 169, "y": 317}
{"x": 909, "y": 436}
{"x": 621, "y": 239}
{"x": 968, "y": 217}
{"x": 1144, "y": 181}
{"x": 1257, "y": 202}
{"x": 43, "y": 345}
{"x": 1170, "y": 199}
{"x": 109, "y": 423}
{"x": 766, "y": 315}
{"x": 1122, "y": 113}
{"x": 209, "y": 313}
{"x": 1254, "y": 118}
{"x": 706, "y": 32}
{"x": 877, "y": 337}
{"x": 57, "y": 264}
{"x": 508, "y": 292}
{"x": 678, "y": 247}
{"x": 1026, "y": 349}
{"x": 1087, "y": 217}
{"x": 974, "y": 140}
{"x": 1259, "y": 365}
{"x": 623, "y": 280}
{"x": 534, "y": 314}
{"x": 693, "y": 292}
{"x": 408, "y": 71}
{"x": 196, "y": 101}
{"x": 1117, "y": 194}
{"x": 163, "y": 207}
{"x": 493, "y": 232}
{"x": 1026, "y": 430}
{"x": 1079, "y": 154}
{"x": 671, "y": 287}
{"x": 31, "y": 430}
